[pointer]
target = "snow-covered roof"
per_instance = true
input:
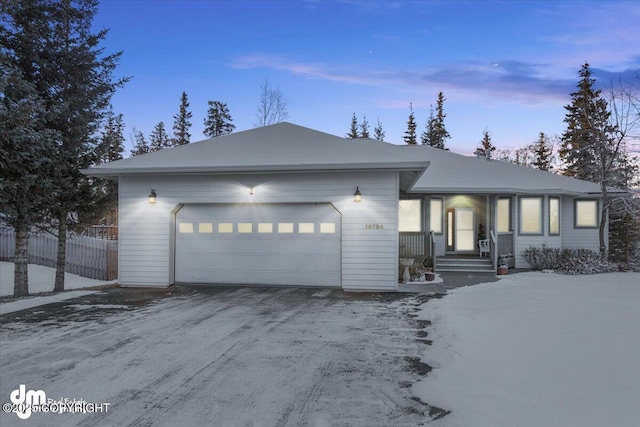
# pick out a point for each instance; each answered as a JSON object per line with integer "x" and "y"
{"x": 454, "y": 173}
{"x": 288, "y": 147}
{"x": 280, "y": 147}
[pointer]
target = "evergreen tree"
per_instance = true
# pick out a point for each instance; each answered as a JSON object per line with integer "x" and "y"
{"x": 587, "y": 122}
{"x": 26, "y": 153}
{"x": 141, "y": 145}
{"x": 353, "y": 131}
{"x": 593, "y": 145}
{"x": 428, "y": 134}
{"x": 53, "y": 45}
{"x": 486, "y": 145}
{"x": 542, "y": 152}
{"x": 111, "y": 143}
{"x": 440, "y": 133}
{"x": 159, "y": 138}
{"x": 410, "y": 133}
{"x": 436, "y": 134}
{"x": 181, "y": 123}
{"x": 364, "y": 128}
{"x": 218, "y": 121}
{"x": 378, "y": 133}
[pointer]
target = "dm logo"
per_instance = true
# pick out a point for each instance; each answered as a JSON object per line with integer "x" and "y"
{"x": 25, "y": 400}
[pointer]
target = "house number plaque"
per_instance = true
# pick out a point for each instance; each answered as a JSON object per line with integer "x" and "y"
{"x": 373, "y": 227}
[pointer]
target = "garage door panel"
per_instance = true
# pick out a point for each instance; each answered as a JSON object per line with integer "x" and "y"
{"x": 306, "y": 253}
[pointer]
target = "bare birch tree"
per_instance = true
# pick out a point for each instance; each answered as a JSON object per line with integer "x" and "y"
{"x": 272, "y": 107}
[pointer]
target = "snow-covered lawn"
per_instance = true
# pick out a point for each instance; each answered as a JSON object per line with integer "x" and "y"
{"x": 41, "y": 279}
{"x": 536, "y": 349}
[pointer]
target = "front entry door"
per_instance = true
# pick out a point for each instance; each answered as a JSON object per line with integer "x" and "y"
{"x": 461, "y": 230}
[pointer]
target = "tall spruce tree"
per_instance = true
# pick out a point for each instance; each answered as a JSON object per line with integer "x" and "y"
{"x": 439, "y": 133}
{"x": 410, "y": 134}
{"x": 486, "y": 145}
{"x": 364, "y": 128}
{"x": 141, "y": 146}
{"x": 587, "y": 120}
{"x": 54, "y": 47}
{"x": 159, "y": 138}
{"x": 111, "y": 141}
{"x": 26, "y": 152}
{"x": 353, "y": 130}
{"x": 378, "y": 132}
{"x": 181, "y": 123}
{"x": 592, "y": 146}
{"x": 218, "y": 121}
{"x": 542, "y": 152}
{"x": 429, "y": 133}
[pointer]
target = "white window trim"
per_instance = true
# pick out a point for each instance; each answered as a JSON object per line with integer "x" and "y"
{"x": 575, "y": 214}
{"x": 541, "y": 216}
{"x": 552, "y": 233}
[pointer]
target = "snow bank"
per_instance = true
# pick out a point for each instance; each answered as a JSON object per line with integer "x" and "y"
{"x": 536, "y": 349}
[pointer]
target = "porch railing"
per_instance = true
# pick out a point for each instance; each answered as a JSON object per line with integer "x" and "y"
{"x": 494, "y": 250}
{"x": 413, "y": 243}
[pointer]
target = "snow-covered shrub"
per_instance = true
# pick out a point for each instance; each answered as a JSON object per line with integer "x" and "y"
{"x": 542, "y": 258}
{"x": 567, "y": 261}
{"x": 583, "y": 261}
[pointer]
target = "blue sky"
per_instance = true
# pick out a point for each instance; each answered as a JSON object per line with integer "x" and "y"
{"x": 505, "y": 66}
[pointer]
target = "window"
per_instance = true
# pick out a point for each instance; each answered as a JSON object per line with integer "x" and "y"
{"x": 245, "y": 227}
{"x": 531, "y": 215}
{"x": 554, "y": 216}
{"x": 327, "y": 228}
{"x": 225, "y": 227}
{"x": 410, "y": 218}
{"x": 305, "y": 227}
{"x": 586, "y": 214}
{"x": 185, "y": 227}
{"x": 436, "y": 215}
{"x": 205, "y": 227}
{"x": 504, "y": 215}
{"x": 285, "y": 227}
{"x": 265, "y": 227}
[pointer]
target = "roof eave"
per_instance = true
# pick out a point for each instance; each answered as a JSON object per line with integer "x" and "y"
{"x": 195, "y": 170}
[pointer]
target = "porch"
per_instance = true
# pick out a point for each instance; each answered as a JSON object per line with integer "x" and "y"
{"x": 456, "y": 224}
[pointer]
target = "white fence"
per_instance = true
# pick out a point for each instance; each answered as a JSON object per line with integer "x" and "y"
{"x": 86, "y": 256}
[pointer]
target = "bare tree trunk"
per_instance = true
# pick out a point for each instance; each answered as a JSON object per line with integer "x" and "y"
{"x": 62, "y": 254}
{"x": 21, "y": 263}
{"x": 604, "y": 216}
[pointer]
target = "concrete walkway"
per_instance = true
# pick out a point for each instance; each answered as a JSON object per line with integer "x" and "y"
{"x": 449, "y": 281}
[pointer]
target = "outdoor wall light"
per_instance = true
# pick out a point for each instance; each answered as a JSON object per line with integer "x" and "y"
{"x": 251, "y": 191}
{"x": 152, "y": 197}
{"x": 357, "y": 196}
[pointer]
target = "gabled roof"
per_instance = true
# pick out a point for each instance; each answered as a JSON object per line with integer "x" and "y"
{"x": 287, "y": 147}
{"x": 280, "y": 147}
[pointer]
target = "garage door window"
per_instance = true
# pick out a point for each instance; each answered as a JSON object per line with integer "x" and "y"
{"x": 265, "y": 227}
{"x": 245, "y": 227}
{"x": 205, "y": 227}
{"x": 185, "y": 227}
{"x": 225, "y": 227}
{"x": 285, "y": 227}
{"x": 327, "y": 228}
{"x": 306, "y": 227}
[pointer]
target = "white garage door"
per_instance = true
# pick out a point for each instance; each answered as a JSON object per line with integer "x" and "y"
{"x": 271, "y": 244}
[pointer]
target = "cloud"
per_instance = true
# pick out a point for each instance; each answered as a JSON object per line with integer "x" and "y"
{"x": 509, "y": 81}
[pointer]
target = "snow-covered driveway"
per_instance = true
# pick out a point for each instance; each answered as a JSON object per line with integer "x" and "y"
{"x": 221, "y": 356}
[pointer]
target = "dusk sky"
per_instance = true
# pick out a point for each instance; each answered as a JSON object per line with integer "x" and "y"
{"x": 505, "y": 66}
